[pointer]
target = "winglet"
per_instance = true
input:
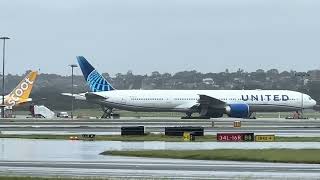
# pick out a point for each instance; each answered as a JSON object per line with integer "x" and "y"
{"x": 95, "y": 80}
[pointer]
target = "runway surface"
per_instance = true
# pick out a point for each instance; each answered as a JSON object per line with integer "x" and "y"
{"x": 279, "y": 127}
{"x": 69, "y": 147}
{"x": 27, "y": 157}
{"x": 82, "y": 159}
{"x": 284, "y": 132}
{"x": 158, "y": 168}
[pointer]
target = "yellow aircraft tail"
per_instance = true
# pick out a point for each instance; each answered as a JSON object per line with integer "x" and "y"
{"x": 21, "y": 93}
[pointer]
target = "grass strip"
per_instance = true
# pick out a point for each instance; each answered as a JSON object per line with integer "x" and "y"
{"x": 149, "y": 137}
{"x": 258, "y": 155}
{"x": 96, "y": 112}
{"x": 43, "y": 178}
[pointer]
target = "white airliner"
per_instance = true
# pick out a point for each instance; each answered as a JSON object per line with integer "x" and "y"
{"x": 208, "y": 103}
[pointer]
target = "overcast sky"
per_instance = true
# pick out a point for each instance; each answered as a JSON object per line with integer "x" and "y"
{"x": 161, "y": 35}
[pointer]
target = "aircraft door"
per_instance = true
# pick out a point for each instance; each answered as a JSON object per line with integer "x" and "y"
{"x": 123, "y": 101}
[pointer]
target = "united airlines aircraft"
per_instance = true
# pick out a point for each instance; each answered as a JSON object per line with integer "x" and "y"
{"x": 208, "y": 103}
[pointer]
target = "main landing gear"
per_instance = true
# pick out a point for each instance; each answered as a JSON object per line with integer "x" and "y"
{"x": 107, "y": 112}
{"x": 252, "y": 115}
{"x": 188, "y": 116}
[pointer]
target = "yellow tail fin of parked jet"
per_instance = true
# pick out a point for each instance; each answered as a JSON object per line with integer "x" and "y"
{"x": 21, "y": 93}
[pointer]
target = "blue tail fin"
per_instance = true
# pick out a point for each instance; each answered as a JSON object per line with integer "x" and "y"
{"x": 95, "y": 80}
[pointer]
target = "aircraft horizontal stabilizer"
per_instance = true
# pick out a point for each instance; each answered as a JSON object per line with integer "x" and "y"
{"x": 75, "y": 96}
{"x": 67, "y": 94}
{"x": 25, "y": 100}
{"x": 94, "y": 97}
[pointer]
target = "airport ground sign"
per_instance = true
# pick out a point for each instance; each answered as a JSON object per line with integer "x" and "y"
{"x": 265, "y": 138}
{"x": 235, "y": 137}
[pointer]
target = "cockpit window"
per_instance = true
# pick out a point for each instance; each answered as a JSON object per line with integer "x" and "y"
{"x": 310, "y": 98}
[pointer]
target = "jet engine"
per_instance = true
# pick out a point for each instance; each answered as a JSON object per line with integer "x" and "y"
{"x": 238, "y": 110}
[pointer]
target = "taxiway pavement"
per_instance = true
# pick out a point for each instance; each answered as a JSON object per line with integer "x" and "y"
{"x": 121, "y": 167}
{"x": 280, "y": 127}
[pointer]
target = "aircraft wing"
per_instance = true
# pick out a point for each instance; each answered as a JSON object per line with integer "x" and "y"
{"x": 211, "y": 102}
{"x": 188, "y": 106}
{"x": 207, "y": 102}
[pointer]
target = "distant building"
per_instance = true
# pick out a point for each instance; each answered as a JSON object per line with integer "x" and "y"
{"x": 259, "y": 71}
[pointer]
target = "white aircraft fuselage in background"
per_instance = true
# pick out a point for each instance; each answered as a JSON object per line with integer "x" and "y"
{"x": 183, "y": 100}
{"x": 188, "y": 100}
{"x": 208, "y": 103}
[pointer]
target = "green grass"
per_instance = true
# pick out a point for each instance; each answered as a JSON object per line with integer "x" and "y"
{"x": 150, "y": 137}
{"x": 42, "y": 178}
{"x": 268, "y": 155}
{"x": 298, "y": 139}
{"x": 98, "y": 112}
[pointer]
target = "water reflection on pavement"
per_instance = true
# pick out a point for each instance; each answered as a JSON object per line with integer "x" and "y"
{"x": 67, "y": 150}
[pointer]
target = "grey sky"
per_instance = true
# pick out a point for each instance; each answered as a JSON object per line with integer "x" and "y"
{"x": 163, "y": 35}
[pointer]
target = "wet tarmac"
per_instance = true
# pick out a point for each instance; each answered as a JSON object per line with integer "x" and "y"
{"x": 278, "y": 131}
{"x": 68, "y": 150}
{"x": 68, "y": 158}
{"x": 279, "y": 127}
{"x": 152, "y": 168}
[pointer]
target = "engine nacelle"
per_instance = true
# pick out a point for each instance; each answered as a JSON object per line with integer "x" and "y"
{"x": 238, "y": 110}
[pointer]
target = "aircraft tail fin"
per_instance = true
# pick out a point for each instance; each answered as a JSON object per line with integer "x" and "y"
{"x": 95, "y": 80}
{"x": 21, "y": 93}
